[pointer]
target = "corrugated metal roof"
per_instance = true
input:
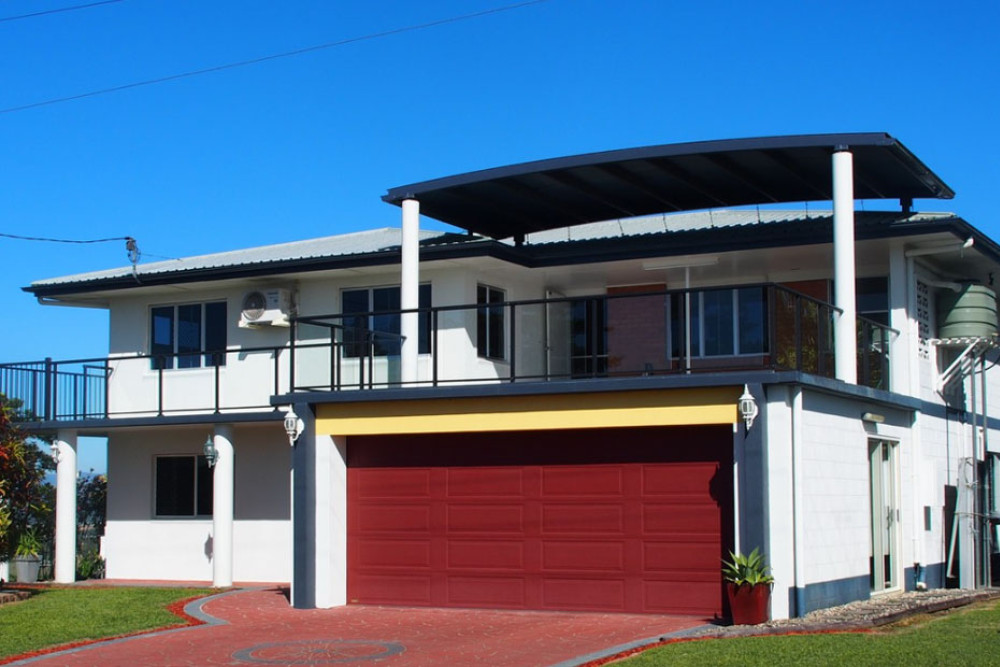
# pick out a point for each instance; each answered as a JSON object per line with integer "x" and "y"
{"x": 356, "y": 243}
{"x": 706, "y": 220}
{"x": 695, "y": 231}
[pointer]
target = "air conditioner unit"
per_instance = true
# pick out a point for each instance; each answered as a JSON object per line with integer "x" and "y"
{"x": 266, "y": 307}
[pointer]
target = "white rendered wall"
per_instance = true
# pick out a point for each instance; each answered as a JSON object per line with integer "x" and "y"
{"x": 140, "y": 546}
{"x": 246, "y": 380}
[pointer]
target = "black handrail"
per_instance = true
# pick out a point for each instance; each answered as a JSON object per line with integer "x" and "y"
{"x": 798, "y": 336}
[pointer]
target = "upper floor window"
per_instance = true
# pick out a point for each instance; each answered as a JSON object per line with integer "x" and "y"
{"x": 372, "y": 321}
{"x": 873, "y": 299}
{"x": 724, "y": 322}
{"x": 490, "y": 322}
{"x": 184, "y": 486}
{"x": 189, "y": 335}
{"x": 588, "y": 337}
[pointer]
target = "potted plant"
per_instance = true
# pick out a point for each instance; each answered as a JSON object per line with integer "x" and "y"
{"x": 748, "y": 586}
{"x": 27, "y": 557}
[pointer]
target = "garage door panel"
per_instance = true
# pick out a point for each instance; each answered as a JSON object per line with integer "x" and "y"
{"x": 583, "y": 555}
{"x": 507, "y": 592}
{"x": 391, "y": 483}
{"x": 394, "y": 553}
{"x": 583, "y": 593}
{"x": 603, "y": 520}
{"x": 674, "y": 518}
{"x": 583, "y": 518}
{"x": 394, "y": 589}
{"x": 485, "y": 482}
{"x": 682, "y": 596}
{"x": 395, "y": 518}
{"x": 483, "y": 518}
{"x": 681, "y": 556}
{"x": 582, "y": 481}
{"x": 486, "y": 555}
{"x": 678, "y": 479}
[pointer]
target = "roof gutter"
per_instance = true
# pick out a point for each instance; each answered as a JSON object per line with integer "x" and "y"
{"x": 75, "y": 303}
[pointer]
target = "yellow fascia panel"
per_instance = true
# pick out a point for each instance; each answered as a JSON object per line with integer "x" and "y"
{"x": 669, "y": 407}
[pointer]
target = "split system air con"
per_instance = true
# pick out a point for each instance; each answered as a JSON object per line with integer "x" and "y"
{"x": 266, "y": 308}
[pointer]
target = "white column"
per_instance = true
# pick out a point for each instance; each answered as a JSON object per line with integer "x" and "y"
{"x": 410, "y": 290}
{"x": 845, "y": 325}
{"x": 222, "y": 508}
{"x": 900, "y": 290}
{"x": 66, "y": 469}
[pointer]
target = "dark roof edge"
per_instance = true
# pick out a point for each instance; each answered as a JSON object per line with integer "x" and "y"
{"x": 487, "y": 248}
{"x": 832, "y": 141}
{"x": 794, "y": 233}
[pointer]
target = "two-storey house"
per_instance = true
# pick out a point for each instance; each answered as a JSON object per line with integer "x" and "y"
{"x": 612, "y": 379}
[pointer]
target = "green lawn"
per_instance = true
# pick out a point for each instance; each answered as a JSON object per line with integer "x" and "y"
{"x": 66, "y": 615}
{"x": 969, "y": 636}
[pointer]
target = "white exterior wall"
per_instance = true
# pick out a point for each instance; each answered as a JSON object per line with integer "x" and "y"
{"x": 837, "y": 487}
{"x": 833, "y": 550}
{"x": 140, "y": 546}
{"x": 246, "y": 380}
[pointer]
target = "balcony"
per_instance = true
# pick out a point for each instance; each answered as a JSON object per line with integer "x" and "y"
{"x": 719, "y": 330}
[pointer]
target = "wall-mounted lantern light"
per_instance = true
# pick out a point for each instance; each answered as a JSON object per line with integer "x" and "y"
{"x": 293, "y": 426}
{"x": 211, "y": 453}
{"x": 747, "y": 407}
{"x": 54, "y": 452}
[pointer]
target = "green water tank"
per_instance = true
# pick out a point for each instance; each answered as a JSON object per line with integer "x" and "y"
{"x": 971, "y": 313}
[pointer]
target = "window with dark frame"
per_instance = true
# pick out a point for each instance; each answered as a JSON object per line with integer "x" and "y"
{"x": 184, "y": 486}
{"x": 188, "y": 335}
{"x": 724, "y": 322}
{"x": 589, "y": 337}
{"x": 372, "y": 321}
{"x": 490, "y": 335}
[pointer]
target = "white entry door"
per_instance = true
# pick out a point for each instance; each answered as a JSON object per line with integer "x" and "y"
{"x": 884, "y": 477}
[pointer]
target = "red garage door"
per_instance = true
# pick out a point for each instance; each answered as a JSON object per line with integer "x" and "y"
{"x": 624, "y": 520}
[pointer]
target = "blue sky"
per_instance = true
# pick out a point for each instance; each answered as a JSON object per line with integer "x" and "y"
{"x": 305, "y": 146}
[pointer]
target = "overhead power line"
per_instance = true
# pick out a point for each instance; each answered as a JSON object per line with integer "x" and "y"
{"x": 51, "y": 240}
{"x": 32, "y": 15}
{"x": 274, "y": 56}
{"x": 131, "y": 245}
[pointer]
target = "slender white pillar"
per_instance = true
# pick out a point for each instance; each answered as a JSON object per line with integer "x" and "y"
{"x": 845, "y": 325}
{"x": 900, "y": 290}
{"x": 410, "y": 290}
{"x": 222, "y": 508}
{"x": 66, "y": 469}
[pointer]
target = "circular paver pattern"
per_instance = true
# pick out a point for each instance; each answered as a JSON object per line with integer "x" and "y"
{"x": 318, "y": 652}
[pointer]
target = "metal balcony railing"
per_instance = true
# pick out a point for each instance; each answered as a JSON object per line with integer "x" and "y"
{"x": 720, "y": 330}
{"x": 724, "y": 329}
{"x": 145, "y": 385}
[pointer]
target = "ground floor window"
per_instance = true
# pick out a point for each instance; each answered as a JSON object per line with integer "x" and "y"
{"x": 184, "y": 486}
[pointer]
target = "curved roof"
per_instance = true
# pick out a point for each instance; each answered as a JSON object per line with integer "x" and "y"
{"x": 534, "y": 196}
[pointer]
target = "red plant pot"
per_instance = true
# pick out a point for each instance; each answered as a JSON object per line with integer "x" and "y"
{"x": 747, "y": 603}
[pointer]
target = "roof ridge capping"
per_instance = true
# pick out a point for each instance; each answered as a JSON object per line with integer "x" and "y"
{"x": 560, "y": 192}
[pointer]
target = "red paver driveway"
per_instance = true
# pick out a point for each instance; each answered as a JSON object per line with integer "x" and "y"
{"x": 258, "y": 627}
